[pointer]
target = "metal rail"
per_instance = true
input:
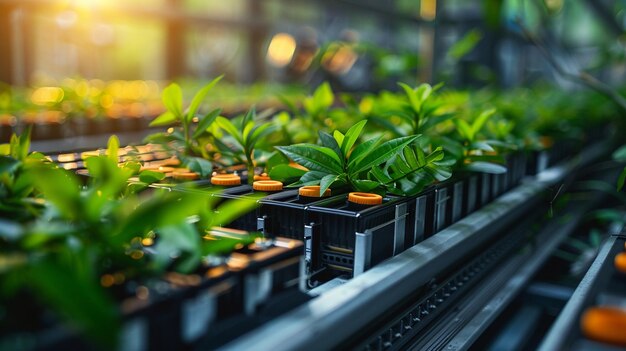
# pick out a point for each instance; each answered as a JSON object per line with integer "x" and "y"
{"x": 330, "y": 319}
{"x": 561, "y": 335}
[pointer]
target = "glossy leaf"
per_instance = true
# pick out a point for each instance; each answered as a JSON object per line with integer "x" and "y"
{"x": 313, "y": 157}
{"x": 150, "y": 177}
{"x": 164, "y": 119}
{"x": 199, "y": 97}
{"x": 351, "y": 136}
{"x": 381, "y": 154}
{"x": 172, "y": 97}
{"x": 205, "y": 122}
{"x": 486, "y": 167}
{"x": 286, "y": 173}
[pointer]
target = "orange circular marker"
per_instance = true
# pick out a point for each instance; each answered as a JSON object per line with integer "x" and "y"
{"x": 606, "y": 324}
{"x": 185, "y": 175}
{"x": 267, "y": 185}
{"x": 262, "y": 176}
{"x": 620, "y": 263}
{"x": 312, "y": 191}
{"x": 365, "y": 198}
{"x": 226, "y": 179}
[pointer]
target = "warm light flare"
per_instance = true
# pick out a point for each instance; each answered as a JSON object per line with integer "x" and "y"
{"x": 281, "y": 49}
{"x": 47, "y": 95}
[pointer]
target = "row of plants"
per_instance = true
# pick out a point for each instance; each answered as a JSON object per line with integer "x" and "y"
{"x": 449, "y": 149}
{"x": 94, "y": 257}
{"x": 82, "y": 107}
{"x": 425, "y": 155}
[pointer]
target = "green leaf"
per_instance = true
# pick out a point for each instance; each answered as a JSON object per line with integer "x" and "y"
{"x": 25, "y": 143}
{"x": 259, "y": 132}
{"x": 176, "y": 240}
{"x": 465, "y": 45}
{"x": 411, "y": 94}
{"x": 5, "y": 149}
{"x": 8, "y": 164}
{"x": 313, "y": 157}
{"x": 620, "y": 154}
{"x": 436, "y": 155}
{"x": 198, "y": 165}
{"x": 323, "y": 97}
{"x": 77, "y": 298}
{"x": 464, "y": 129}
{"x": 365, "y": 185}
{"x": 328, "y": 141}
{"x": 338, "y": 137}
{"x": 199, "y": 97}
{"x": 60, "y": 188}
{"x": 150, "y": 177}
{"x": 113, "y": 147}
{"x": 327, "y": 181}
{"x": 172, "y": 97}
{"x": 486, "y": 167}
{"x": 363, "y": 149}
{"x": 276, "y": 159}
{"x": 621, "y": 180}
{"x": 351, "y": 136}
{"x": 286, "y": 173}
{"x": 480, "y": 121}
{"x": 381, "y": 154}
{"x": 164, "y": 119}
{"x": 205, "y": 122}
{"x": 230, "y": 128}
{"x": 481, "y": 145}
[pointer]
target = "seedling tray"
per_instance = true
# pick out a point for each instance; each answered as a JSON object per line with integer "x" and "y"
{"x": 178, "y": 311}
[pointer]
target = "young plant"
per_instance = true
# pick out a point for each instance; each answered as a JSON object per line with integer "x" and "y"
{"x": 87, "y": 233}
{"x": 478, "y": 155}
{"x": 336, "y": 164}
{"x": 418, "y": 109}
{"x": 193, "y": 143}
{"x": 245, "y": 133}
{"x": 314, "y": 115}
{"x": 17, "y": 202}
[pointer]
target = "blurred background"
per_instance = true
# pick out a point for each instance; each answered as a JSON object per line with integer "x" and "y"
{"x": 65, "y": 58}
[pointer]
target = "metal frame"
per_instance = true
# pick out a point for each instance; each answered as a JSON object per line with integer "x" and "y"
{"x": 330, "y": 319}
{"x": 561, "y": 335}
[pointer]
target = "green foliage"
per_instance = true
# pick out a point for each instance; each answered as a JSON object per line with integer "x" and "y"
{"x": 465, "y": 45}
{"x": 620, "y": 156}
{"x": 338, "y": 163}
{"x": 191, "y": 144}
{"x": 245, "y": 133}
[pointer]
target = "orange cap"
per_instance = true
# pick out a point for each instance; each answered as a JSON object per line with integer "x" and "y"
{"x": 226, "y": 179}
{"x": 365, "y": 198}
{"x": 263, "y": 176}
{"x": 606, "y": 324}
{"x": 620, "y": 262}
{"x": 185, "y": 175}
{"x": 312, "y": 191}
{"x": 267, "y": 185}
